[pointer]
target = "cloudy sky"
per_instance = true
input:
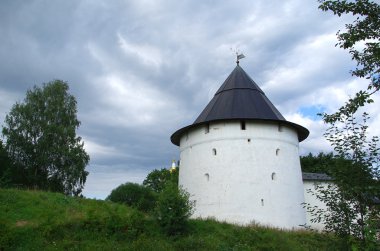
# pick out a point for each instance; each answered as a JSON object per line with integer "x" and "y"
{"x": 142, "y": 69}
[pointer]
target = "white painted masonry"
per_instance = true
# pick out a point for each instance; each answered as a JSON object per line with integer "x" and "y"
{"x": 311, "y": 199}
{"x": 244, "y": 176}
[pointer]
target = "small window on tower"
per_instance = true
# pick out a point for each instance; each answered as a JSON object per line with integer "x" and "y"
{"x": 214, "y": 151}
{"x": 242, "y": 125}
{"x": 207, "y": 176}
{"x": 262, "y": 202}
{"x": 207, "y": 128}
{"x": 277, "y": 151}
{"x": 273, "y": 176}
{"x": 249, "y": 140}
{"x": 280, "y": 127}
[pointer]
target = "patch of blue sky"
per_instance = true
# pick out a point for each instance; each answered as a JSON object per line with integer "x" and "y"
{"x": 312, "y": 111}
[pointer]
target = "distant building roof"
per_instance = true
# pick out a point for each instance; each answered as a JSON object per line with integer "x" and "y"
{"x": 324, "y": 177}
{"x": 376, "y": 201}
{"x": 316, "y": 176}
{"x": 239, "y": 98}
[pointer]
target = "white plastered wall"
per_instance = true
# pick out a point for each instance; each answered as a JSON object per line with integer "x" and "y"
{"x": 311, "y": 199}
{"x": 244, "y": 176}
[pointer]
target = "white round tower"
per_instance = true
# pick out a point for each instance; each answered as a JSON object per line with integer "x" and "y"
{"x": 239, "y": 160}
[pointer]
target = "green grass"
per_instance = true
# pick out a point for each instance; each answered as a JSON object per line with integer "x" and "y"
{"x": 33, "y": 220}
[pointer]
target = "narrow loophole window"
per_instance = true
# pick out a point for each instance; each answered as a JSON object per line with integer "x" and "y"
{"x": 280, "y": 128}
{"x": 207, "y": 176}
{"x": 214, "y": 151}
{"x": 249, "y": 140}
{"x": 207, "y": 128}
{"x": 242, "y": 125}
{"x": 277, "y": 152}
{"x": 262, "y": 202}
{"x": 273, "y": 176}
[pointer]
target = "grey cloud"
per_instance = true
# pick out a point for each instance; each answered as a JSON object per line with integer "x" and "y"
{"x": 142, "y": 69}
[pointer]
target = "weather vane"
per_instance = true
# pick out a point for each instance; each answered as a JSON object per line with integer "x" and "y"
{"x": 238, "y": 55}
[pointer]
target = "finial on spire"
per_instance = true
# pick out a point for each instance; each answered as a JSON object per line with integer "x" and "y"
{"x": 238, "y": 54}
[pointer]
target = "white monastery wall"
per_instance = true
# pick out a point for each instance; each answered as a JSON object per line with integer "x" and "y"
{"x": 313, "y": 201}
{"x": 244, "y": 176}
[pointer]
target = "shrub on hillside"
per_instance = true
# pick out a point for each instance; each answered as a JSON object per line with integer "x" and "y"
{"x": 134, "y": 195}
{"x": 173, "y": 209}
{"x": 157, "y": 179}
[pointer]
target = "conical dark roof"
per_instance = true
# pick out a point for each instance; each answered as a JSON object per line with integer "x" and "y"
{"x": 240, "y": 97}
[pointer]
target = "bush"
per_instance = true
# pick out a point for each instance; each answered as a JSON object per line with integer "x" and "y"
{"x": 173, "y": 209}
{"x": 134, "y": 195}
{"x": 157, "y": 179}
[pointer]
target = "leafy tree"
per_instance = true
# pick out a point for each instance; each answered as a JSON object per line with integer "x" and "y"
{"x": 357, "y": 183}
{"x": 5, "y": 167}
{"x": 160, "y": 191}
{"x": 157, "y": 179}
{"x": 134, "y": 195}
{"x": 362, "y": 40}
{"x": 41, "y": 140}
{"x": 318, "y": 163}
{"x": 350, "y": 200}
{"x": 322, "y": 163}
{"x": 173, "y": 209}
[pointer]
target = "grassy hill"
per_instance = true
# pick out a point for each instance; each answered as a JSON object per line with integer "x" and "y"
{"x": 32, "y": 220}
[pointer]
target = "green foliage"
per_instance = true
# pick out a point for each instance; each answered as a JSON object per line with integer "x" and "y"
{"x": 350, "y": 200}
{"x": 321, "y": 163}
{"x": 6, "y": 176}
{"x": 174, "y": 209}
{"x": 31, "y": 220}
{"x": 362, "y": 39}
{"x": 160, "y": 192}
{"x": 41, "y": 140}
{"x": 134, "y": 195}
{"x": 157, "y": 179}
{"x": 357, "y": 183}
